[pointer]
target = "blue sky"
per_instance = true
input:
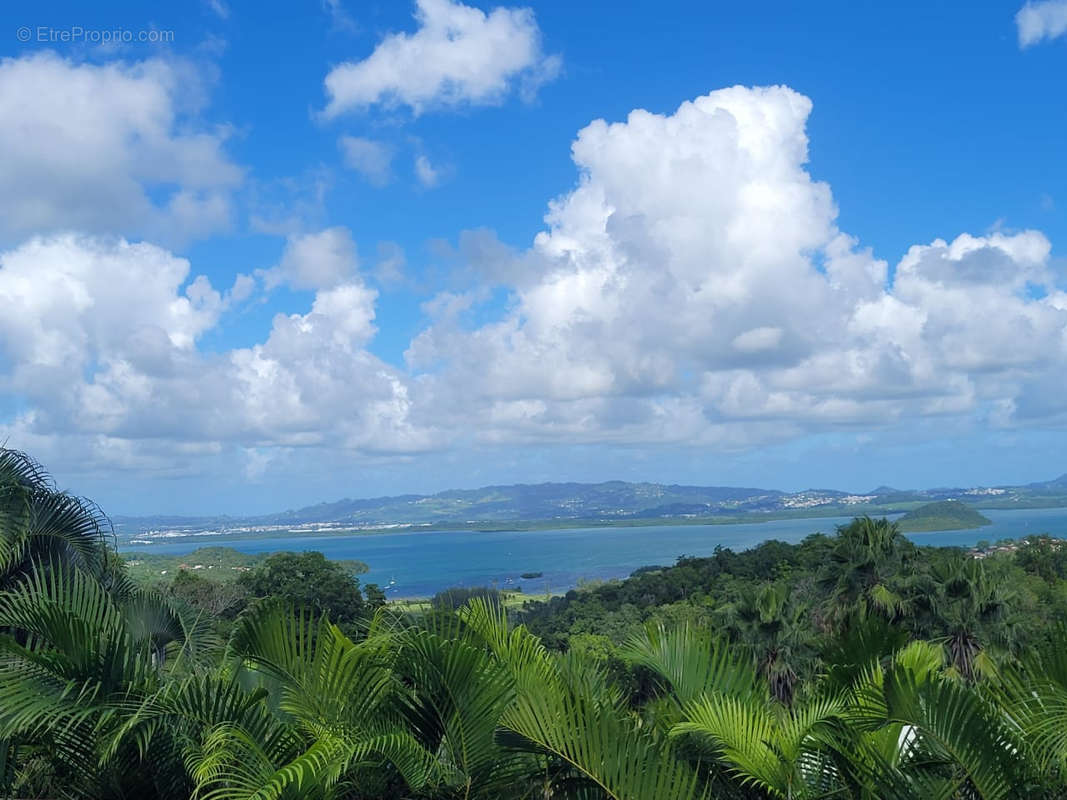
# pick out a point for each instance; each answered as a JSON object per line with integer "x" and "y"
{"x": 282, "y": 258}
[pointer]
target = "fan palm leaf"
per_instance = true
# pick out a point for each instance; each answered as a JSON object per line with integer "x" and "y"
{"x": 39, "y": 524}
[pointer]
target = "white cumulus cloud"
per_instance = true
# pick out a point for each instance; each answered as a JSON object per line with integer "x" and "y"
{"x": 318, "y": 260}
{"x": 696, "y": 288}
{"x": 109, "y": 148}
{"x": 1046, "y": 19}
{"x": 100, "y": 340}
{"x": 459, "y": 55}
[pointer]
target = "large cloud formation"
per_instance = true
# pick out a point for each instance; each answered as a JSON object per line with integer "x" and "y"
{"x": 101, "y": 339}
{"x": 693, "y": 288}
{"x": 109, "y": 147}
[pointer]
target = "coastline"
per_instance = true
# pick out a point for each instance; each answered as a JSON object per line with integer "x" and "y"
{"x": 520, "y": 526}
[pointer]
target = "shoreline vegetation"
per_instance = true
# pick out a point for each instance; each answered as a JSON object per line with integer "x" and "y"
{"x": 226, "y": 565}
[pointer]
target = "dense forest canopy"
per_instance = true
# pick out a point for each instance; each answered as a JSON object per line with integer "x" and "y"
{"x": 854, "y": 665}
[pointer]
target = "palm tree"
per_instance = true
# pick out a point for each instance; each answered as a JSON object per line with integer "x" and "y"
{"x": 459, "y": 705}
{"x": 867, "y": 559}
{"x": 326, "y": 720}
{"x": 77, "y": 640}
{"x": 41, "y": 525}
{"x": 772, "y": 625}
{"x": 720, "y": 700}
{"x": 109, "y": 691}
{"x": 75, "y": 655}
{"x": 456, "y": 705}
{"x": 950, "y": 739}
{"x": 897, "y": 727}
{"x": 969, "y": 610}
{"x": 568, "y": 712}
{"x": 1033, "y": 692}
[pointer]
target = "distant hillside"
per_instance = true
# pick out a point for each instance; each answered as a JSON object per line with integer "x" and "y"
{"x": 947, "y": 515}
{"x": 542, "y": 501}
{"x": 1057, "y": 485}
{"x": 609, "y": 503}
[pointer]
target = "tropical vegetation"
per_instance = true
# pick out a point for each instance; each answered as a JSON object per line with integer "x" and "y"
{"x": 946, "y": 515}
{"x": 849, "y": 666}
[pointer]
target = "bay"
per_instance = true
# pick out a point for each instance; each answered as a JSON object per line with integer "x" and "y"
{"x": 408, "y": 564}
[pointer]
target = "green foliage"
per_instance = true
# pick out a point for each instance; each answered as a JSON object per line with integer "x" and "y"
{"x": 868, "y": 564}
{"x": 218, "y": 599}
{"x": 1044, "y": 557}
{"x": 458, "y": 596}
{"x": 311, "y": 581}
{"x": 222, "y": 564}
{"x": 38, "y": 523}
{"x": 973, "y": 606}
{"x": 946, "y": 515}
{"x": 852, "y": 667}
{"x": 772, "y": 625}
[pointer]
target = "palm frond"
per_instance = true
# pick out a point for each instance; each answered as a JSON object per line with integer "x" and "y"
{"x": 693, "y": 662}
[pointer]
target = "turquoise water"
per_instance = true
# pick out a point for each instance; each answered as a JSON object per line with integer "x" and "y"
{"x": 419, "y": 564}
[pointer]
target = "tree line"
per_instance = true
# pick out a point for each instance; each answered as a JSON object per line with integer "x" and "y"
{"x": 787, "y": 604}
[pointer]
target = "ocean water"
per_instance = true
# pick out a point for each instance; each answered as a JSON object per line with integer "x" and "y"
{"x": 420, "y": 564}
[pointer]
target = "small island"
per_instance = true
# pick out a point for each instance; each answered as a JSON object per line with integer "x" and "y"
{"x": 531, "y": 575}
{"x": 947, "y": 515}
